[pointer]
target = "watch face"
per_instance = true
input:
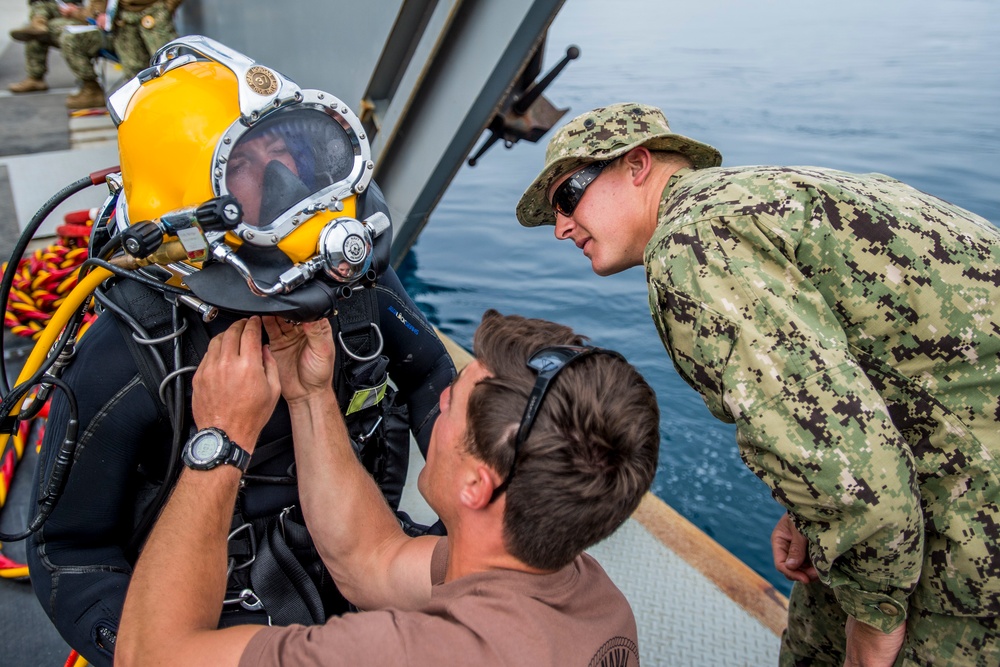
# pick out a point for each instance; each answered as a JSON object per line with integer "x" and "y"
{"x": 206, "y": 447}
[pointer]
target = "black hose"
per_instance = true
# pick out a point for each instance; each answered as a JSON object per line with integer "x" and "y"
{"x": 67, "y": 335}
{"x": 109, "y": 247}
{"x": 22, "y": 244}
{"x": 64, "y": 458}
{"x": 15, "y": 395}
{"x": 175, "y": 406}
{"x": 134, "y": 275}
{"x": 124, "y": 315}
{"x": 60, "y": 469}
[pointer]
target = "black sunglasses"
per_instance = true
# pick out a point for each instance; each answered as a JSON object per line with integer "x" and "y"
{"x": 568, "y": 195}
{"x": 547, "y": 362}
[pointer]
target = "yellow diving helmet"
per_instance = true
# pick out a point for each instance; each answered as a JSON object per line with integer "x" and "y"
{"x": 205, "y": 122}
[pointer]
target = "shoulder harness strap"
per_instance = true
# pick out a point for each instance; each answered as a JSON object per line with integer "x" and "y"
{"x": 361, "y": 379}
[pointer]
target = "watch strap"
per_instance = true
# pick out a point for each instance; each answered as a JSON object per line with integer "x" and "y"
{"x": 237, "y": 456}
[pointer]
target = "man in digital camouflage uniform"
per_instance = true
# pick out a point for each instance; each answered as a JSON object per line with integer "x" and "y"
{"x": 141, "y": 27}
{"x": 44, "y": 29}
{"x": 850, "y": 326}
{"x": 138, "y": 28}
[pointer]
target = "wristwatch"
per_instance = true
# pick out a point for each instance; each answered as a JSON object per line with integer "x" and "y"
{"x": 210, "y": 447}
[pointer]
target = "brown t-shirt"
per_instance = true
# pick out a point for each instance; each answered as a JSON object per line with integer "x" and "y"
{"x": 575, "y": 616}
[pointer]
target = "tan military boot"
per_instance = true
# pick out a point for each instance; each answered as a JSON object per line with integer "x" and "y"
{"x": 89, "y": 97}
{"x": 29, "y": 85}
{"x": 38, "y": 29}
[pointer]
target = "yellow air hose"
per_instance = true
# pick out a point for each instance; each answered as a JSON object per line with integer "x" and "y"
{"x": 73, "y": 301}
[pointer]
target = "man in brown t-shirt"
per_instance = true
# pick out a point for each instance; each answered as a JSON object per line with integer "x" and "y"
{"x": 542, "y": 447}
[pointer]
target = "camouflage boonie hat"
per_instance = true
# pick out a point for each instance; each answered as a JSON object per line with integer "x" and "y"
{"x": 603, "y": 134}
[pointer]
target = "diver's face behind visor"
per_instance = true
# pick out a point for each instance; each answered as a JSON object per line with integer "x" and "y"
{"x": 245, "y": 177}
{"x": 285, "y": 160}
{"x": 296, "y": 160}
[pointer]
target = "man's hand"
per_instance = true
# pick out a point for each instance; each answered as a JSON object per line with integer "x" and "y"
{"x": 870, "y": 647}
{"x": 73, "y": 12}
{"x": 305, "y": 355}
{"x": 791, "y": 552}
{"x": 236, "y": 386}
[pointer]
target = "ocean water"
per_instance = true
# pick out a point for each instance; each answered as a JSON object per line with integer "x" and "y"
{"x": 908, "y": 88}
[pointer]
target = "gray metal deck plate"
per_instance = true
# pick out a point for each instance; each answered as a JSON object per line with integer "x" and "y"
{"x": 684, "y": 620}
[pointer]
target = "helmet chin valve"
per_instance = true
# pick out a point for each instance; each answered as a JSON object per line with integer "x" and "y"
{"x": 345, "y": 247}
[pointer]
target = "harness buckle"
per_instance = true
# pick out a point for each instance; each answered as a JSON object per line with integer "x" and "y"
{"x": 250, "y": 601}
{"x": 246, "y": 599}
{"x": 357, "y": 356}
{"x": 232, "y": 566}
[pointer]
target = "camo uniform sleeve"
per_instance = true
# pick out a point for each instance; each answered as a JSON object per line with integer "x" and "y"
{"x": 750, "y": 332}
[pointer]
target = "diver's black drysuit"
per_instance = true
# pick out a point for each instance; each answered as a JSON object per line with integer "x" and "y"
{"x": 81, "y": 559}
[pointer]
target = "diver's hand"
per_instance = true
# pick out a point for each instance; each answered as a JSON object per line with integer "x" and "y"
{"x": 791, "y": 552}
{"x": 305, "y": 354}
{"x": 236, "y": 386}
{"x": 870, "y": 647}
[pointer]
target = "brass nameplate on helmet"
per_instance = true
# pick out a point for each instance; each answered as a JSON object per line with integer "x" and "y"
{"x": 262, "y": 80}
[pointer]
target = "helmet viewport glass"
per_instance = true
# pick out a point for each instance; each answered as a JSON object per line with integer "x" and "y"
{"x": 285, "y": 160}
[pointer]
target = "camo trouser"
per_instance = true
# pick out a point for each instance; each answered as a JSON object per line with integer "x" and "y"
{"x": 815, "y": 635}
{"x": 36, "y": 52}
{"x": 79, "y": 50}
{"x": 138, "y": 35}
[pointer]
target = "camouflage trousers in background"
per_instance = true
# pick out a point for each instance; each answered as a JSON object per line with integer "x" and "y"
{"x": 35, "y": 52}
{"x": 79, "y": 50}
{"x": 815, "y": 635}
{"x": 138, "y": 35}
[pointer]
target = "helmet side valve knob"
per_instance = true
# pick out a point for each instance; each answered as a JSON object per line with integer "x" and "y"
{"x": 142, "y": 239}
{"x": 219, "y": 214}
